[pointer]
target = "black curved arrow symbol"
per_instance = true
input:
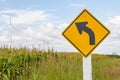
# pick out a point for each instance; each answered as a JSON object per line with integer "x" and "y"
{"x": 81, "y": 26}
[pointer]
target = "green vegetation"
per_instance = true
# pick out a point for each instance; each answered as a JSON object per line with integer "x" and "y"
{"x": 23, "y": 64}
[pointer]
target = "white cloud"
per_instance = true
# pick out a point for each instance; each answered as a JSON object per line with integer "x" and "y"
{"x": 46, "y": 34}
{"x": 114, "y": 25}
{"x": 115, "y": 20}
{"x": 112, "y": 43}
{"x": 26, "y": 16}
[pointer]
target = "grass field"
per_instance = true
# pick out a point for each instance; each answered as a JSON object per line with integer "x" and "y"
{"x": 23, "y": 64}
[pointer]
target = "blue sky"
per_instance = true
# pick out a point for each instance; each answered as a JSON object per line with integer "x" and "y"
{"x": 65, "y": 8}
{"x": 51, "y": 17}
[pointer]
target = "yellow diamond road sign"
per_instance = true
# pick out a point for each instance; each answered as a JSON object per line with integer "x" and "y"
{"x": 85, "y": 33}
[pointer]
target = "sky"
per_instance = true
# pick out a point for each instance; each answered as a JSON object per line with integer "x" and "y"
{"x": 39, "y": 23}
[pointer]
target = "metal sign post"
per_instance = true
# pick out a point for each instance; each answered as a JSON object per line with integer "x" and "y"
{"x": 87, "y": 68}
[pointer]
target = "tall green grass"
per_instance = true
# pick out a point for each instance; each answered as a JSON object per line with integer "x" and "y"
{"x": 24, "y": 64}
{"x": 16, "y": 63}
